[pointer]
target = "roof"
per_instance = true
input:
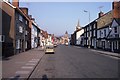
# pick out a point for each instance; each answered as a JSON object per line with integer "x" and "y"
{"x": 105, "y": 20}
{"x": 8, "y": 3}
{"x": 19, "y": 10}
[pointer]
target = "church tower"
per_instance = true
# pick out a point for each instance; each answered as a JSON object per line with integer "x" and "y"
{"x": 78, "y": 26}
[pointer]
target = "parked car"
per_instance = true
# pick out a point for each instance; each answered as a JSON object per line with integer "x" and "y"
{"x": 49, "y": 49}
{"x": 66, "y": 44}
{"x": 55, "y": 45}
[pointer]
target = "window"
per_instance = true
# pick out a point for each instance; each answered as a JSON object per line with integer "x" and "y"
{"x": 94, "y": 32}
{"x": 20, "y": 18}
{"x": 87, "y": 28}
{"x": 105, "y": 33}
{"x": 100, "y": 33}
{"x": 90, "y": 33}
{"x": 26, "y": 44}
{"x": 90, "y": 27}
{"x": 26, "y": 22}
{"x": 115, "y": 44}
{"x": 26, "y": 32}
{"x": 20, "y": 29}
{"x": 115, "y": 29}
{"x": 18, "y": 44}
{"x": 87, "y": 34}
{"x": 2, "y": 38}
{"x": 94, "y": 26}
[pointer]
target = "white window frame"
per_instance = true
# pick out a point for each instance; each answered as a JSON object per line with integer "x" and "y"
{"x": 20, "y": 18}
{"x": 20, "y": 29}
{"x": 26, "y": 32}
{"x": 94, "y": 26}
{"x": 94, "y": 32}
{"x": 26, "y": 44}
{"x": 18, "y": 44}
{"x": 2, "y": 38}
{"x": 26, "y": 22}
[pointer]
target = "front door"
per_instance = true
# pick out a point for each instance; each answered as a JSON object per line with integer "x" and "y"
{"x": 103, "y": 44}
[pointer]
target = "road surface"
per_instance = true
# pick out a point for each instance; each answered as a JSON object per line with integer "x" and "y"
{"x": 76, "y": 62}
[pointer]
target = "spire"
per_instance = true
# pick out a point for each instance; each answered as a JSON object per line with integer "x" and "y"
{"x": 66, "y": 32}
{"x": 78, "y": 25}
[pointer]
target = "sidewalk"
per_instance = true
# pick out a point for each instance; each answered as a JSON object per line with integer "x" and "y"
{"x": 21, "y": 65}
{"x": 102, "y": 52}
{"x": 107, "y": 53}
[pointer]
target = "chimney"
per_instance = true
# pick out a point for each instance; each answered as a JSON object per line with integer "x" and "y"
{"x": 25, "y": 10}
{"x": 15, "y": 3}
{"x": 116, "y": 9}
{"x": 100, "y": 14}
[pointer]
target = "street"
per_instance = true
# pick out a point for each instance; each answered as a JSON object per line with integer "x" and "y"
{"x": 76, "y": 62}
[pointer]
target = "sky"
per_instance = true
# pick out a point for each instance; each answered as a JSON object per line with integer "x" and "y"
{"x": 59, "y": 17}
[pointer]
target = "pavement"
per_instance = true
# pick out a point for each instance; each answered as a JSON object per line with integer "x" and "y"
{"x": 103, "y": 52}
{"x": 107, "y": 53}
{"x": 22, "y": 64}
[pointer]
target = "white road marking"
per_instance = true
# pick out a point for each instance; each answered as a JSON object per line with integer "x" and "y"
{"x": 77, "y": 46}
{"x": 27, "y": 67}
{"x": 30, "y": 64}
{"x": 22, "y": 72}
{"x": 36, "y": 59}
{"x": 19, "y": 62}
{"x": 33, "y": 61}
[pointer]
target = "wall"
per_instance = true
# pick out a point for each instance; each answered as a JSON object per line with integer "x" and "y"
{"x": 8, "y": 29}
{"x": 78, "y": 38}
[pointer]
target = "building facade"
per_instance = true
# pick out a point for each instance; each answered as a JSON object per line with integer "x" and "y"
{"x": 114, "y": 36}
{"x": 22, "y": 31}
{"x": 35, "y": 38}
{"x": 7, "y": 33}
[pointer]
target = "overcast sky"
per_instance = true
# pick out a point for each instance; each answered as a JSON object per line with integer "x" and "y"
{"x": 58, "y": 17}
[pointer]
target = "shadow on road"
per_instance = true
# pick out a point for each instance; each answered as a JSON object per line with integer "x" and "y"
{"x": 44, "y": 77}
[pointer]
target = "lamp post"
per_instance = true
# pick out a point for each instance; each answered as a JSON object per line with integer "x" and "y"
{"x": 88, "y": 29}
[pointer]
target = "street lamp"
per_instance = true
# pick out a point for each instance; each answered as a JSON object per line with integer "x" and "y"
{"x": 89, "y": 29}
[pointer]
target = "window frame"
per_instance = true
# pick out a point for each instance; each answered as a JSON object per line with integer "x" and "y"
{"x": 18, "y": 44}
{"x": 2, "y": 38}
{"x": 20, "y": 29}
{"x": 20, "y": 17}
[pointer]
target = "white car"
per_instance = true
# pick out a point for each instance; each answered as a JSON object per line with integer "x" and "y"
{"x": 66, "y": 44}
{"x": 49, "y": 49}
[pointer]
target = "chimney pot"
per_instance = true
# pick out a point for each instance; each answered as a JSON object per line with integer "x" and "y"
{"x": 100, "y": 14}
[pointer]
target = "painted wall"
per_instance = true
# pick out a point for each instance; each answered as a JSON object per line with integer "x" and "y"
{"x": 78, "y": 38}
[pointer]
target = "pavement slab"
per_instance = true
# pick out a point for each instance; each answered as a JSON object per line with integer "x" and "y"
{"x": 21, "y": 64}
